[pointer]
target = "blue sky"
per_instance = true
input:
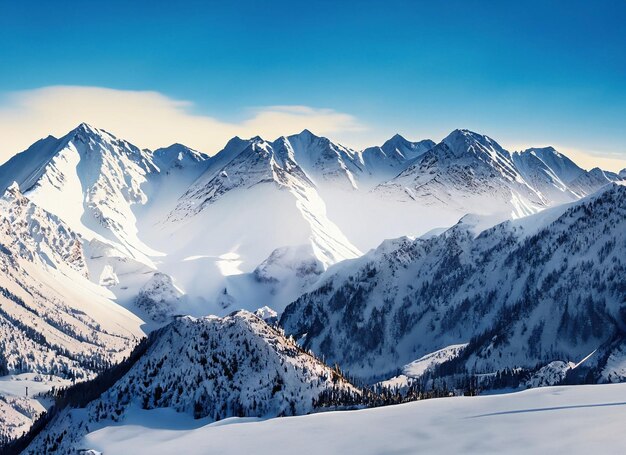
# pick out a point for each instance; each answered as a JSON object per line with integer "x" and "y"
{"x": 526, "y": 73}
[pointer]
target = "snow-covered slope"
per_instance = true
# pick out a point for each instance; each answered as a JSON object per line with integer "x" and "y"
{"x": 557, "y": 178}
{"x": 54, "y": 319}
{"x": 550, "y": 183}
{"x": 524, "y": 293}
{"x": 589, "y": 182}
{"x": 555, "y": 420}
{"x": 241, "y": 210}
{"x": 54, "y": 323}
{"x": 560, "y": 165}
{"x": 210, "y": 368}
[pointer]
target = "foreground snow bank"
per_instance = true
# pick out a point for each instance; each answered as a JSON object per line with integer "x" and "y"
{"x": 570, "y": 420}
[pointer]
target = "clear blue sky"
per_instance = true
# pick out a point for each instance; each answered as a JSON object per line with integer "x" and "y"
{"x": 526, "y": 70}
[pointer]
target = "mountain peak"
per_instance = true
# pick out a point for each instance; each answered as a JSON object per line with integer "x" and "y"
{"x": 86, "y": 128}
{"x": 85, "y": 131}
{"x": 306, "y": 134}
{"x": 395, "y": 140}
{"x": 177, "y": 155}
{"x": 462, "y": 141}
{"x": 463, "y": 132}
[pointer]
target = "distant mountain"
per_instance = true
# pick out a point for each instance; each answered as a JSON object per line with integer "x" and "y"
{"x": 210, "y": 368}
{"x": 177, "y": 156}
{"x": 206, "y": 222}
{"x": 557, "y": 177}
{"x": 466, "y": 171}
{"x": 564, "y": 168}
{"x": 548, "y": 172}
{"x": 409, "y": 150}
{"x": 395, "y": 155}
{"x": 522, "y": 294}
{"x": 591, "y": 181}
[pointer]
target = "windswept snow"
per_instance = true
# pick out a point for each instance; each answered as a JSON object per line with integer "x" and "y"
{"x": 555, "y": 420}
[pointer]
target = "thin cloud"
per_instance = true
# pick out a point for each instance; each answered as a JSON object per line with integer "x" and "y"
{"x": 149, "y": 119}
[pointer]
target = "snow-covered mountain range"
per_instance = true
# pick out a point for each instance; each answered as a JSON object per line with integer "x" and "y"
{"x": 102, "y": 242}
{"x": 524, "y": 293}
{"x": 209, "y": 222}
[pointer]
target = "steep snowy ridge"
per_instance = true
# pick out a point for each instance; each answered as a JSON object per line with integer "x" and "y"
{"x": 564, "y": 168}
{"x": 557, "y": 177}
{"x": 26, "y": 167}
{"x": 256, "y": 164}
{"x": 90, "y": 179}
{"x": 209, "y": 368}
{"x": 543, "y": 178}
{"x": 322, "y": 160}
{"x": 524, "y": 293}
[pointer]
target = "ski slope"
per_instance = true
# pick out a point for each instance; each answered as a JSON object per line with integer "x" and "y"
{"x": 572, "y": 420}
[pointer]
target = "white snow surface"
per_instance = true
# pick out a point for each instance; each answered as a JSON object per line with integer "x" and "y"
{"x": 556, "y": 420}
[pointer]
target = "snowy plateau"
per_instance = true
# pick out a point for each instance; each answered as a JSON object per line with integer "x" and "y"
{"x": 294, "y": 295}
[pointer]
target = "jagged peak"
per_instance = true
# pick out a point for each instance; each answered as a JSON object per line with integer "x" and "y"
{"x": 306, "y": 133}
{"x": 396, "y": 140}
{"x": 464, "y": 133}
{"x": 86, "y": 128}
{"x": 461, "y": 141}
{"x": 86, "y": 133}
{"x": 176, "y": 145}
